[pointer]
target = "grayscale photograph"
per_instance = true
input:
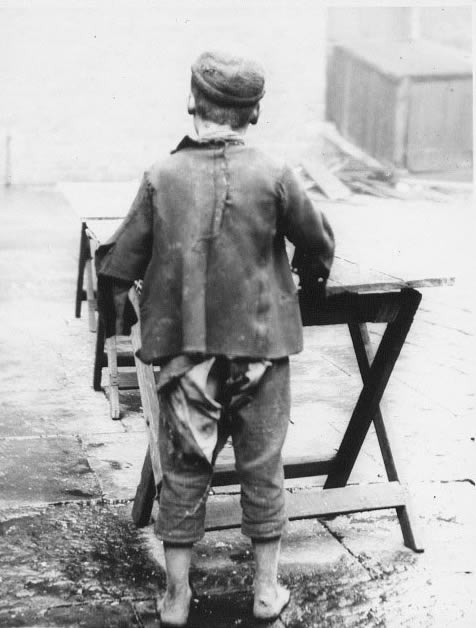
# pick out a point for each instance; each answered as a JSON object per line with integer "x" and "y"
{"x": 237, "y": 318}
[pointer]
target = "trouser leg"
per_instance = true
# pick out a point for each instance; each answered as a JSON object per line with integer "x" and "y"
{"x": 258, "y": 430}
{"x": 187, "y": 437}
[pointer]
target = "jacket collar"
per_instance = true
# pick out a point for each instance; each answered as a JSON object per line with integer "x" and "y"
{"x": 210, "y": 141}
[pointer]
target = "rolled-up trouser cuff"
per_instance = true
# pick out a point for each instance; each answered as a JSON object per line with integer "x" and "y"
{"x": 177, "y": 545}
{"x": 271, "y": 539}
{"x": 263, "y": 532}
{"x": 182, "y": 503}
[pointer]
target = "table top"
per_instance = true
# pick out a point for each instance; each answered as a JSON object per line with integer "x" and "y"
{"x": 380, "y": 245}
{"x": 383, "y": 244}
{"x": 100, "y": 201}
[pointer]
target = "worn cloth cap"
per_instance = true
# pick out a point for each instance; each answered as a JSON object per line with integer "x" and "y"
{"x": 228, "y": 80}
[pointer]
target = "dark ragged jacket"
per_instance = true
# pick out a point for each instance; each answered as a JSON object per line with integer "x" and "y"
{"x": 206, "y": 233}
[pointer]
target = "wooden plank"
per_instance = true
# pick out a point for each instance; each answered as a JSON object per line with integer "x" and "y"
{"x": 332, "y": 135}
{"x": 330, "y": 185}
{"x": 461, "y": 186}
{"x": 145, "y": 494}
{"x": 90, "y": 295}
{"x": 302, "y": 467}
{"x": 128, "y": 378}
{"x": 123, "y": 359}
{"x": 225, "y": 511}
{"x": 349, "y": 276}
{"x": 148, "y": 391}
{"x": 355, "y": 277}
{"x": 344, "y": 308}
{"x": 100, "y": 359}
{"x": 385, "y": 286}
{"x": 113, "y": 378}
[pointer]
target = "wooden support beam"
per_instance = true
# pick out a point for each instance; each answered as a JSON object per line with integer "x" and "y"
{"x": 113, "y": 378}
{"x": 347, "y": 307}
{"x": 123, "y": 360}
{"x": 224, "y": 511}
{"x": 145, "y": 494}
{"x": 100, "y": 358}
{"x": 150, "y": 407}
{"x": 302, "y": 467}
{"x": 84, "y": 254}
{"x": 326, "y": 181}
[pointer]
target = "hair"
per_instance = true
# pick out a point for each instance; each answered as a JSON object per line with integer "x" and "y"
{"x": 235, "y": 117}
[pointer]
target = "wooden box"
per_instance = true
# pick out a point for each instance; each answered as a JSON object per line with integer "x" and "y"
{"x": 408, "y": 103}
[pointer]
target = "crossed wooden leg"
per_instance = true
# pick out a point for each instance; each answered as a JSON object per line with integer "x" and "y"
{"x": 376, "y": 371}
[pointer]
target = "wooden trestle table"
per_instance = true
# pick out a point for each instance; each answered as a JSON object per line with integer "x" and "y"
{"x": 100, "y": 208}
{"x": 383, "y": 289}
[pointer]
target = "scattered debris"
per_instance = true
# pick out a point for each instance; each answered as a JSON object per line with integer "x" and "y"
{"x": 343, "y": 169}
{"x": 364, "y": 179}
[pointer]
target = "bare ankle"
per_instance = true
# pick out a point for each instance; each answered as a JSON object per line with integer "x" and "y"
{"x": 178, "y": 589}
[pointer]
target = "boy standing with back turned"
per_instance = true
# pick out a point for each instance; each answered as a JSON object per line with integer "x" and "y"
{"x": 219, "y": 311}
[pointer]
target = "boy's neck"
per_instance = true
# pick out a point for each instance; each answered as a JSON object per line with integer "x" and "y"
{"x": 208, "y": 130}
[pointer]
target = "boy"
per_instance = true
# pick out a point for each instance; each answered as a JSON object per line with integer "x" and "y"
{"x": 219, "y": 311}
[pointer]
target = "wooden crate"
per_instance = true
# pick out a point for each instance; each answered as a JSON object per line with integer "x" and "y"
{"x": 408, "y": 103}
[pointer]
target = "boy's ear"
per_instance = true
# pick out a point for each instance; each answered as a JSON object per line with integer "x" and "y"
{"x": 191, "y": 106}
{"x": 255, "y": 114}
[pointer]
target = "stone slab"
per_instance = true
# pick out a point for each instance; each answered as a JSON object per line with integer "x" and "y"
{"x": 45, "y": 470}
{"x": 438, "y": 584}
{"x": 60, "y": 412}
{"x": 117, "y": 461}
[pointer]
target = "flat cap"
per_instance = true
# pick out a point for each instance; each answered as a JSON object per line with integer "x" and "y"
{"x": 228, "y": 80}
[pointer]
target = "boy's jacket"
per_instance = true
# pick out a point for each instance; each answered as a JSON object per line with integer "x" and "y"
{"x": 206, "y": 233}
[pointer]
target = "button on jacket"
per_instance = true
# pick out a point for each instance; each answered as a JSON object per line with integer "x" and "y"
{"x": 206, "y": 233}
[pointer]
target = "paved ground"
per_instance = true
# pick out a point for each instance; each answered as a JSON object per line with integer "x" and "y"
{"x": 69, "y": 554}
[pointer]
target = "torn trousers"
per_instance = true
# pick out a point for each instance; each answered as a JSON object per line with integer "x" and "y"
{"x": 219, "y": 398}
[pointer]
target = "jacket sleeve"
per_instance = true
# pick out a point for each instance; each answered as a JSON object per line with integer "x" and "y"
{"x": 307, "y": 228}
{"x": 122, "y": 260}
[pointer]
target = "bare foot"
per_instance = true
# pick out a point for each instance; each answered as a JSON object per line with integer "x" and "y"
{"x": 269, "y": 602}
{"x": 174, "y": 607}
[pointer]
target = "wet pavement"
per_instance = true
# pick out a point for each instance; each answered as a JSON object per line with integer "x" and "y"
{"x": 69, "y": 553}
